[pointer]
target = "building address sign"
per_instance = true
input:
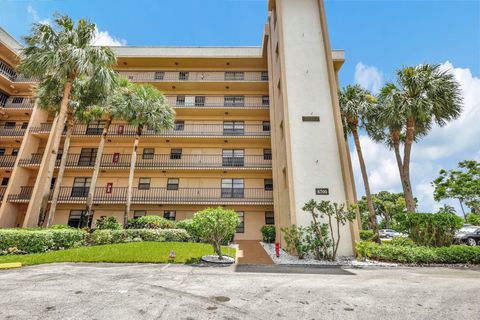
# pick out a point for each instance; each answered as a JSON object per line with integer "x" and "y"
{"x": 321, "y": 191}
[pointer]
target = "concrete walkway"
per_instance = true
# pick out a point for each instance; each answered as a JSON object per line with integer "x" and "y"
{"x": 251, "y": 252}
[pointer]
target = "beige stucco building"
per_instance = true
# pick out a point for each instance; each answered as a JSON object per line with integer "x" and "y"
{"x": 257, "y": 130}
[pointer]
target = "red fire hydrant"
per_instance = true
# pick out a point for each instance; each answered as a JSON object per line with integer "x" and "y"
{"x": 277, "y": 249}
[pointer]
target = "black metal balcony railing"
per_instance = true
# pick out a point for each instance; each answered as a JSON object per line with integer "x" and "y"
{"x": 7, "y": 161}
{"x": 195, "y": 76}
{"x": 182, "y": 130}
{"x": 19, "y": 103}
{"x": 117, "y": 160}
{"x": 7, "y": 71}
{"x": 2, "y": 192}
{"x": 155, "y": 195}
{"x": 12, "y": 130}
{"x": 247, "y": 102}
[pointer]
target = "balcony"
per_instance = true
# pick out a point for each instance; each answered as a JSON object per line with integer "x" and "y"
{"x": 196, "y": 76}
{"x": 2, "y": 192}
{"x": 19, "y": 103}
{"x": 227, "y": 102}
{"x": 118, "y": 195}
{"x": 10, "y": 129}
{"x": 7, "y": 161}
{"x": 181, "y": 130}
{"x": 159, "y": 161}
{"x": 8, "y": 72}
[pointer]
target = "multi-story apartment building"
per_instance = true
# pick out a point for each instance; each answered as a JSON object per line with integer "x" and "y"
{"x": 257, "y": 130}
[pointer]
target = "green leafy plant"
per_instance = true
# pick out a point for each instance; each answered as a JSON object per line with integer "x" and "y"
{"x": 100, "y": 237}
{"x": 295, "y": 239}
{"x": 474, "y": 219}
{"x": 150, "y": 222}
{"x": 187, "y": 224}
{"x": 215, "y": 226}
{"x": 366, "y": 234}
{"x": 107, "y": 223}
{"x": 268, "y": 233}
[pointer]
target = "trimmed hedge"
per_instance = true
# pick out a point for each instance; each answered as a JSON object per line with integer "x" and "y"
{"x": 187, "y": 224}
{"x": 27, "y": 241}
{"x": 99, "y": 237}
{"x": 150, "y": 222}
{"x": 418, "y": 255}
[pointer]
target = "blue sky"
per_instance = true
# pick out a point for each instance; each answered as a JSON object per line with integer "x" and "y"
{"x": 379, "y": 36}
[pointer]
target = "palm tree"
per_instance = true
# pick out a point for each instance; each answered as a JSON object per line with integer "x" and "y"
{"x": 424, "y": 95}
{"x": 64, "y": 52}
{"x": 355, "y": 103}
{"x": 142, "y": 106}
{"x": 109, "y": 112}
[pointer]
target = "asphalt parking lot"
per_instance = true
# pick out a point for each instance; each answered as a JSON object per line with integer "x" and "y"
{"x": 147, "y": 291}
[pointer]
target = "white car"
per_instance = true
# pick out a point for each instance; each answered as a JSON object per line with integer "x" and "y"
{"x": 389, "y": 233}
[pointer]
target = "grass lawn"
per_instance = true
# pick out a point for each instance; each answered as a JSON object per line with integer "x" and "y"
{"x": 147, "y": 252}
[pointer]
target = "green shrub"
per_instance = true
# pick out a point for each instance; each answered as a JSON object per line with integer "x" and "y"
{"x": 61, "y": 227}
{"x": 215, "y": 226}
{"x": 427, "y": 229}
{"x": 150, "y": 222}
{"x": 99, "y": 237}
{"x": 400, "y": 241}
{"x": 418, "y": 254}
{"x": 107, "y": 223}
{"x": 187, "y": 224}
{"x": 268, "y": 233}
{"x": 474, "y": 219}
{"x": 366, "y": 234}
{"x": 295, "y": 239}
{"x": 21, "y": 241}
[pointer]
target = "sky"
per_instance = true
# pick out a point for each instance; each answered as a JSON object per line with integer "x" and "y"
{"x": 378, "y": 36}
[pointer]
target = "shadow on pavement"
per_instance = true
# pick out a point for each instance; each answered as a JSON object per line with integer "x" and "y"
{"x": 301, "y": 269}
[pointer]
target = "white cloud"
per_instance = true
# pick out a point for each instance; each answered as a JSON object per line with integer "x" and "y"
{"x": 442, "y": 148}
{"x": 103, "y": 38}
{"x": 34, "y": 14}
{"x": 368, "y": 77}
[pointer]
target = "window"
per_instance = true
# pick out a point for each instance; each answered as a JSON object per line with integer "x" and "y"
{"x": 233, "y": 128}
{"x": 95, "y": 127}
{"x": 234, "y": 101}
{"x": 24, "y": 125}
{"x": 81, "y": 186}
{"x": 148, "y": 153}
{"x": 180, "y": 100}
{"x": 267, "y": 154}
{"x": 183, "y": 75}
{"x": 5, "y": 181}
{"x": 15, "y": 152}
{"x": 9, "y": 125}
{"x": 264, "y": 76}
{"x": 59, "y": 155}
{"x": 169, "y": 214}
{"x": 2, "y": 151}
{"x": 179, "y": 125}
{"x": 241, "y": 226}
{"x": 233, "y": 158}
{"x": 139, "y": 213}
{"x": 232, "y": 188}
{"x": 268, "y": 184}
{"x": 176, "y": 154}
{"x": 76, "y": 217}
{"x": 3, "y": 99}
{"x": 52, "y": 183}
{"x": 265, "y": 101}
{"x": 17, "y": 100}
{"x": 144, "y": 184}
{"x": 87, "y": 157}
{"x": 234, "y": 75}
{"x": 159, "y": 75}
{"x": 172, "y": 183}
{"x": 269, "y": 218}
{"x": 266, "y": 126}
{"x": 199, "y": 101}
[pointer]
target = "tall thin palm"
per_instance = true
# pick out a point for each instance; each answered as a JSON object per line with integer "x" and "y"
{"x": 64, "y": 52}
{"x": 355, "y": 104}
{"x": 424, "y": 95}
{"x": 110, "y": 113}
{"x": 144, "y": 107}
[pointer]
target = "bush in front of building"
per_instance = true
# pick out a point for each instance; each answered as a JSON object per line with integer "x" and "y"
{"x": 268, "y": 233}
{"x": 216, "y": 226}
{"x": 150, "y": 222}
{"x": 100, "y": 237}
{"x": 187, "y": 224}
{"x": 107, "y": 223}
{"x": 18, "y": 241}
{"x": 418, "y": 254}
{"x": 366, "y": 234}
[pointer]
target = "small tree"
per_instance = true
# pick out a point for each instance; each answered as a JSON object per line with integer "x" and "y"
{"x": 215, "y": 226}
{"x": 337, "y": 215}
{"x": 108, "y": 223}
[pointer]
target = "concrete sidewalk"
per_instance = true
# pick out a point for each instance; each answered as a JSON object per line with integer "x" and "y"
{"x": 252, "y": 252}
{"x": 148, "y": 291}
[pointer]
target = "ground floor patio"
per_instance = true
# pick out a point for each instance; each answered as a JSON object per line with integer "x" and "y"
{"x": 146, "y": 291}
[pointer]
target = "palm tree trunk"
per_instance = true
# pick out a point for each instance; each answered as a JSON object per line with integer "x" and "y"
{"x": 133, "y": 161}
{"x": 96, "y": 168}
{"x": 61, "y": 169}
{"x": 406, "y": 165}
{"x": 363, "y": 168}
{"x": 395, "y": 135}
{"x": 53, "y": 151}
